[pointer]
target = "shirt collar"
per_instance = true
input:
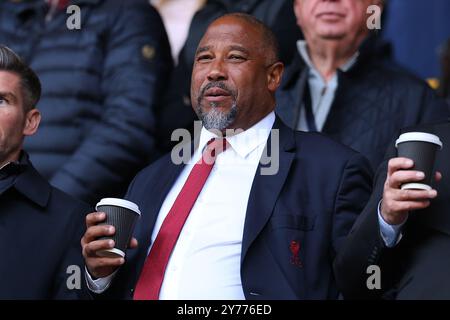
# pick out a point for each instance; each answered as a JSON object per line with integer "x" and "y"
{"x": 245, "y": 142}
{"x": 30, "y": 183}
{"x": 13, "y": 168}
{"x": 302, "y": 48}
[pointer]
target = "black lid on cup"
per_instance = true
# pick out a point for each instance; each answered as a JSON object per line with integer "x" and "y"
{"x": 419, "y": 136}
{"x": 118, "y": 203}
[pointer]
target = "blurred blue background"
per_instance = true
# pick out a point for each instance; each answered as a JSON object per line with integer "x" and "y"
{"x": 416, "y": 29}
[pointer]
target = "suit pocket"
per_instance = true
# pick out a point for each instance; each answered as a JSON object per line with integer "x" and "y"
{"x": 289, "y": 221}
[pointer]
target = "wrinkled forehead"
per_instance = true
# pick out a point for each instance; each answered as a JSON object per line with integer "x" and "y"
{"x": 226, "y": 33}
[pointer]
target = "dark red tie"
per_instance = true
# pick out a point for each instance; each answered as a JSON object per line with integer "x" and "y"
{"x": 152, "y": 275}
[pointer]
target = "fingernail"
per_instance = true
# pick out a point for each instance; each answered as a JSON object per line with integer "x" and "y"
{"x": 409, "y": 162}
{"x": 122, "y": 261}
{"x": 101, "y": 215}
{"x": 420, "y": 175}
{"x": 111, "y": 230}
{"x": 111, "y": 243}
{"x": 432, "y": 193}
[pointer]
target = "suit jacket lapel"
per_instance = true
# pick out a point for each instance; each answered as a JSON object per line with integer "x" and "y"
{"x": 338, "y": 112}
{"x": 299, "y": 96}
{"x": 153, "y": 206}
{"x": 294, "y": 84}
{"x": 171, "y": 173}
{"x": 266, "y": 188}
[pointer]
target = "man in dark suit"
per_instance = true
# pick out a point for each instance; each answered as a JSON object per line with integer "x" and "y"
{"x": 342, "y": 83}
{"x": 237, "y": 231}
{"x": 40, "y": 226}
{"x": 414, "y": 263}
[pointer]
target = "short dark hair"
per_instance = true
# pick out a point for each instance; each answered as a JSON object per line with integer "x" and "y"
{"x": 268, "y": 37}
{"x": 30, "y": 84}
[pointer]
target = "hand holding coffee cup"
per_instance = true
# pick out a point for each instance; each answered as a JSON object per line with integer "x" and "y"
{"x": 408, "y": 181}
{"x": 421, "y": 148}
{"x": 104, "y": 243}
{"x": 123, "y": 215}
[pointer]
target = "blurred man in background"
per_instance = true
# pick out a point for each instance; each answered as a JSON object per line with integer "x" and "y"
{"x": 101, "y": 85}
{"x": 340, "y": 84}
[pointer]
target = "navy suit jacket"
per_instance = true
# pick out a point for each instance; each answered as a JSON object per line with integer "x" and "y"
{"x": 40, "y": 232}
{"x": 315, "y": 197}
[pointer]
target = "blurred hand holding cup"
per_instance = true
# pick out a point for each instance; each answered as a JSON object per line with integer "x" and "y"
{"x": 421, "y": 147}
{"x": 123, "y": 215}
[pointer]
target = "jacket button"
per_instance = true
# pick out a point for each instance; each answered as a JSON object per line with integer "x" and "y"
{"x": 148, "y": 52}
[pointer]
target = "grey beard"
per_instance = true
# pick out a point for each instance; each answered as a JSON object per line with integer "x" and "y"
{"x": 215, "y": 119}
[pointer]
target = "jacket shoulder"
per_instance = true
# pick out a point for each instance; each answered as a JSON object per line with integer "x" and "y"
{"x": 331, "y": 156}
{"x": 317, "y": 144}
{"x": 155, "y": 170}
{"x": 397, "y": 76}
{"x": 434, "y": 127}
{"x": 59, "y": 197}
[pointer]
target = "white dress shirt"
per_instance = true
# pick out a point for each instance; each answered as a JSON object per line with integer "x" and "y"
{"x": 205, "y": 263}
{"x": 322, "y": 92}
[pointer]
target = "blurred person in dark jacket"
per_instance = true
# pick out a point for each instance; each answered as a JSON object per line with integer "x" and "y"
{"x": 40, "y": 226}
{"x": 177, "y": 111}
{"x": 341, "y": 82}
{"x": 101, "y": 85}
{"x": 177, "y": 17}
